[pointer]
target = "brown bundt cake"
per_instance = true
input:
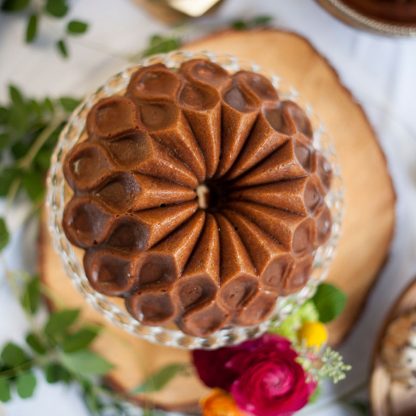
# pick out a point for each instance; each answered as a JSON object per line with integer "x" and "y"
{"x": 396, "y": 11}
{"x": 198, "y": 197}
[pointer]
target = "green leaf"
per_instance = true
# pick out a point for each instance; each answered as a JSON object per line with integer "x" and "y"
{"x": 55, "y": 373}
{"x": 69, "y": 104}
{"x": 239, "y": 24}
{"x": 32, "y": 28}
{"x": 13, "y": 356}
{"x": 43, "y": 158}
{"x": 329, "y": 302}
{"x": 16, "y": 96}
{"x": 31, "y": 295}
{"x": 4, "y": 115}
{"x": 33, "y": 183}
{"x": 86, "y": 363}
{"x": 34, "y": 108}
{"x": 47, "y": 105}
{"x": 160, "y": 379}
{"x": 62, "y": 48}
{"x": 60, "y": 321}
{"x": 4, "y": 234}
{"x": 246, "y": 24}
{"x": 25, "y": 385}
{"x": 57, "y": 8}
{"x": 76, "y": 27}
{"x": 21, "y": 147}
{"x": 80, "y": 339}
{"x": 7, "y": 176}
{"x": 35, "y": 342}
{"x": 5, "y": 140}
{"x": 14, "y": 5}
{"x": 315, "y": 395}
{"x": 160, "y": 44}
{"x": 4, "y": 389}
{"x": 262, "y": 20}
{"x": 93, "y": 403}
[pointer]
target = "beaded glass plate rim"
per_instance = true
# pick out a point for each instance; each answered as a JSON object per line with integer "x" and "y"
{"x": 55, "y": 202}
{"x": 353, "y": 16}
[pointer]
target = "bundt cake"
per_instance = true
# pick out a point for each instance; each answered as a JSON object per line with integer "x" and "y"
{"x": 198, "y": 197}
{"x": 396, "y": 11}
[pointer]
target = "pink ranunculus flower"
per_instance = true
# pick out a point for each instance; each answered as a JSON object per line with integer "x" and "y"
{"x": 262, "y": 375}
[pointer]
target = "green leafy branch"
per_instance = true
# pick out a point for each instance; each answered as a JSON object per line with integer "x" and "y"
{"x": 36, "y": 10}
{"x": 160, "y": 379}
{"x": 61, "y": 350}
{"x": 159, "y": 43}
{"x": 29, "y": 130}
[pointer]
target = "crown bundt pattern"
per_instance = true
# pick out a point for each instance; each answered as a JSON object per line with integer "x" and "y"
{"x": 198, "y": 197}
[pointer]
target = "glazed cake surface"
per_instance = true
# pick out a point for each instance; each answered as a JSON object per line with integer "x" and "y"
{"x": 198, "y": 197}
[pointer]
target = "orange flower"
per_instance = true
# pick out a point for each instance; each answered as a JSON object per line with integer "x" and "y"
{"x": 220, "y": 403}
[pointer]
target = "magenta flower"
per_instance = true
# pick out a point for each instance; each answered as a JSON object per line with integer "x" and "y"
{"x": 262, "y": 375}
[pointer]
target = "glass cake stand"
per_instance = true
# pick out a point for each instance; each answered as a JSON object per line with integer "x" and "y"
{"x": 58, "y": 194}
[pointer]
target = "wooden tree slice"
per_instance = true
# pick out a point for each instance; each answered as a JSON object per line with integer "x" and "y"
{"x": 369, "y": 194}
{"x": 390, "y": 398}
{"x": 369, "y": 217}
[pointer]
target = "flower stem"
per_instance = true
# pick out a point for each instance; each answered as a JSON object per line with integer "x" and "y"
{"x": 25, "y": 162}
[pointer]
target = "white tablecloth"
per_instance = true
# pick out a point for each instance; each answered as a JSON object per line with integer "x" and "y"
{"x": 380, "y": 71}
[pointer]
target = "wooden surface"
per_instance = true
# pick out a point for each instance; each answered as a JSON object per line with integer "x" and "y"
{"x": 369, "y": 196}
{"x": 389, "y": 398}
{"x": 369, "y": 218}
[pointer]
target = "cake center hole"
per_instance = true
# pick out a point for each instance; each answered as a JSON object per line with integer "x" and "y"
{"x": 211, "y": 195}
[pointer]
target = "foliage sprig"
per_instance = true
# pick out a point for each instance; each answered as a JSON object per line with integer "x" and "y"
{"x": 61, "y": 350}
{"x": 35, "y": 11}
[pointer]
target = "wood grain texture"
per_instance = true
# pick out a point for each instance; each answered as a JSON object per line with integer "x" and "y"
{"x": 369, "y": 195}
{"x": 369, "y": 199}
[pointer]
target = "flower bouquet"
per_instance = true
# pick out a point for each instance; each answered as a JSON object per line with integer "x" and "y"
{"x": 278, "y": 373}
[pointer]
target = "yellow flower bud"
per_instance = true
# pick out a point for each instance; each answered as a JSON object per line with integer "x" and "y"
{"x": 313, "y": 334}
{"x": 220, "y": 403}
